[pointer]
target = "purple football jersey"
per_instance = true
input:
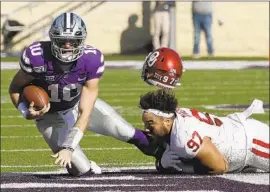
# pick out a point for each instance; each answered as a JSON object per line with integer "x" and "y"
{"x": 63, "y": 86}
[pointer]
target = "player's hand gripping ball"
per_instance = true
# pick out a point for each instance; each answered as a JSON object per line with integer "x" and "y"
{"x": 36, "y": 94}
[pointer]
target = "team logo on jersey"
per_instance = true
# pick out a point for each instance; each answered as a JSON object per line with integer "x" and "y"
{"x": 40, "y": 69}
{"x": 49, "y": 78}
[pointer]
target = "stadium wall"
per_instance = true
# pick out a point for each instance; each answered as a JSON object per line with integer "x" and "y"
{"x": 117, "y": 27}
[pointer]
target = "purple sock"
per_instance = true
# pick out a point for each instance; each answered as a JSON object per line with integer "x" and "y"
{"x": 139, "y": 138}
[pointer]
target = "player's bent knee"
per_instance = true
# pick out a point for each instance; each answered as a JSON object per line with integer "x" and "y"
{"x": 80, "y": 163}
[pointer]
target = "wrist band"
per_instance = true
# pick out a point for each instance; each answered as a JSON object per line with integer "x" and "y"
{"x": 23, "y": 109}
{"x": 73, "y": 138}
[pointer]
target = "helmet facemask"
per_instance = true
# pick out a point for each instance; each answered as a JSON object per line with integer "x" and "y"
{"x": 67, "y": 54}
{"x": 67, "y": 34}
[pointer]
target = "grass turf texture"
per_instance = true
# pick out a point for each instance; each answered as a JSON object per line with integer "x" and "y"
{"x": 122, "y": 89}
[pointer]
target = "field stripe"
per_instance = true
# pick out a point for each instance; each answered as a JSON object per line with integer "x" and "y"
{"x": 68, "y": 185}
{"x": 33, "y": 125}
{"x": 101, "y": 164}
{"x": 40, "y": 136}
{"x": 85, "y": 149}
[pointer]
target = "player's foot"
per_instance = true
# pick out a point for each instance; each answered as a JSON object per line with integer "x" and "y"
{"x": 95, "y": 169}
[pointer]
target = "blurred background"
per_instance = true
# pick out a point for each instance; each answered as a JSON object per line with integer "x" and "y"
{"x": 238, "y": 28}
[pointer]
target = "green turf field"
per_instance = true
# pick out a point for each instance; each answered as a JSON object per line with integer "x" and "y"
{"x": 23, "y": 149}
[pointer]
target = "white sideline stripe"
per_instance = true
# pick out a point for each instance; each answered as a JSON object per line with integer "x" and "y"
{"x": 262, "y": 179}
{"x": 15, "y": 126}
{"x": 63, "y": 171}
{"x": 85, "y": 149}
{"x": 10, "y": 116}
{"x": 105, "y": 178}
{"x": 33, "y": 125}
{"x": 20, "y": 116}
{"x": 219, "y": 107}
{"x": 68, "y": 185}
{"x": 40, "y": 136}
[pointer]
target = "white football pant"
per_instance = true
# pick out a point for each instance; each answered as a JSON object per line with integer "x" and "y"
{"x": 258, "y": 154}
{"x": 104, "y": 120}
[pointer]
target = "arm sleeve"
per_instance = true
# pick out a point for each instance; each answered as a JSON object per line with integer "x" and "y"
{"x": 96, "y": 66}
{"x": 25, "y": 64}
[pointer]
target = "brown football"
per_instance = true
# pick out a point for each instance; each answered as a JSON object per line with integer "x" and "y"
{"x": 36, "y": 94}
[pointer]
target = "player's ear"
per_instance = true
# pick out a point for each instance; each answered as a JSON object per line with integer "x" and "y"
{"x": 167, "y": 122}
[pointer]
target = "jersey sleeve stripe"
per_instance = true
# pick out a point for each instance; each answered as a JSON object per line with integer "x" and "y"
{"x": 25, "y": 59}
{"x": 26, "y": 68}
{"x": 261, "y": 143}
{"x": 101, "y": 69}
{"x": 260, "y": 153}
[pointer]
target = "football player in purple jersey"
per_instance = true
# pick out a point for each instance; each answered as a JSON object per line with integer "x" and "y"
{"x": 69, "y": 71}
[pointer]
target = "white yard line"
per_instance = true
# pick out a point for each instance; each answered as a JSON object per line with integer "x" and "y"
{"x": 33, "y": 125}
{"x": 101, "y": 164}
{"x": 85, "y": 149}
{"x": 68, "y": 185}
{"x": 39, "y": 136}
{"x": 10, "y": 116}
{"x": 254, "y": 178}
{"x": 17, "y": 126}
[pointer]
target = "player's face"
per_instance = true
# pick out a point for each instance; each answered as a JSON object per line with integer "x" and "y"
{"x": 68, "y": 43}
{"x": 157, "y": 126}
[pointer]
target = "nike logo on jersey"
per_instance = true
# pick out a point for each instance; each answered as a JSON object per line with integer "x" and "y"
{"x": 79, "y": 79}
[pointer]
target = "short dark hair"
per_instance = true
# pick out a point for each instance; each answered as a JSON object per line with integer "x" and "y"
{"x": 162, "y": 99}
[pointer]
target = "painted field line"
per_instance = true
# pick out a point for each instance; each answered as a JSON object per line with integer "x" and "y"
{"x": 114, "y": 178}
{"x": 40, "y": 136}
{"x": 33, "y": 125}
{"x": 10, "y": 116}
{"x": 100, "y": 164}
{"x": 68, "y": 185}
{"x": 262, "y": 179}
{"x": 64, "y": 171}
{"x": 13, "y": 126}
{"x": 85, "y": 149}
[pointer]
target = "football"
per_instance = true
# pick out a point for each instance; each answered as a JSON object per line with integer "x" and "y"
{"x": 36, "y": 94}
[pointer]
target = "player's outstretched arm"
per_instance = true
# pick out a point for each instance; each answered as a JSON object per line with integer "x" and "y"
{"x": 88, "y": 98}
{"x": 210, "y": 157}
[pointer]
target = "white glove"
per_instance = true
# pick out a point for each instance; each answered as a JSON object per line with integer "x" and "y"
{"x": 63, "y": 157}
{"x": 170, "y": 159}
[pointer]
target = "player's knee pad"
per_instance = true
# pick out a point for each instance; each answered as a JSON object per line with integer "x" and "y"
{"x": 80, "y": 163}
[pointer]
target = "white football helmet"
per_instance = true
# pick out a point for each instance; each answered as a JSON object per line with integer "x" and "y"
{"x": 68, "y": 27}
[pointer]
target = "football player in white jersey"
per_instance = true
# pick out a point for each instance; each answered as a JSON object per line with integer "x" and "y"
{"x": 220, "y": 144}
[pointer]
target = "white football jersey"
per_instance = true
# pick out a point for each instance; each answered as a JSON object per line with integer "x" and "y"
{"x": 191, "y": 126}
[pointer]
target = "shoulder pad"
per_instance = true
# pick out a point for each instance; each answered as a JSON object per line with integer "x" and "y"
{"x": 32, "y": 59}
{"x": 93, "y": 61}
